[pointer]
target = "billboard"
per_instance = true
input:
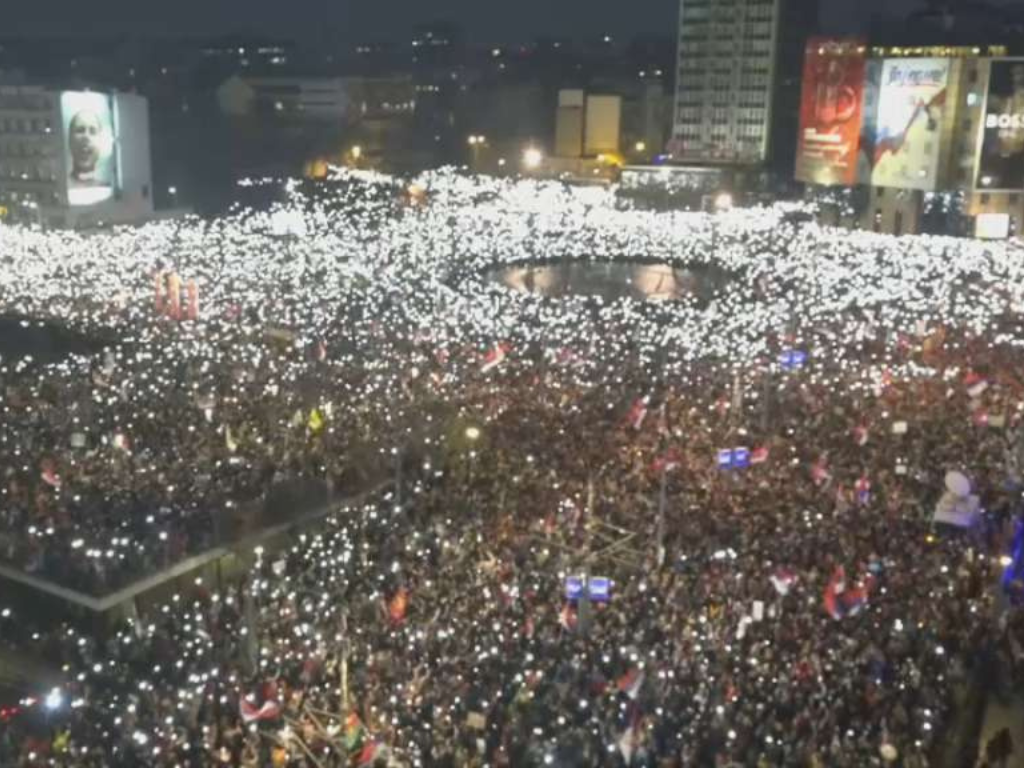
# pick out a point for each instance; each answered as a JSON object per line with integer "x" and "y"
{"x": 869, "y": 123}
{"x": 911, "y": 99}
{"x": 89, "y": 142}
{"x": 830, "y": 112}
{"x": 1001, "y": 162}
{"x": 992, "y": 226}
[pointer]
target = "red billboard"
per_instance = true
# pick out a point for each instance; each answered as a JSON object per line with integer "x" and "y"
{"x": 830, "y": 111}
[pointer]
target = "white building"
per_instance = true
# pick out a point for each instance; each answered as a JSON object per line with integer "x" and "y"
{"x": 727, "y": 75}
{"x": 74, "y": 158}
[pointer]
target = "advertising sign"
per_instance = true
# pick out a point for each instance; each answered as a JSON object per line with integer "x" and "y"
{"x": 1001, "y": 163}
{"x": 909, "y": 122}
{"x": 599, "y": 588}
{"x": 992, "y": 226}
{"x": 89, "y": 134}
{"x": 830, "y": 112}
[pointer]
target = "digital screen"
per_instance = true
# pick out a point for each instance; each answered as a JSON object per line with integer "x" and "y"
{"x": 89, "y": 137}
{"x": 1001, "y": 163}
{"x": 992, "y": 226}
{"x": 830, "y": 112}
{"x": 911, "y": 100}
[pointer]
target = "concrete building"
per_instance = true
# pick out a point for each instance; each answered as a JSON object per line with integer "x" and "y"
{"x": 74, "y": 158}
{"x": 734, "y": 56}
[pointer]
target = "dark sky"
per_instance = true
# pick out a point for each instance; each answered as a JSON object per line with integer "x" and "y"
{"x": 354, "y": 20}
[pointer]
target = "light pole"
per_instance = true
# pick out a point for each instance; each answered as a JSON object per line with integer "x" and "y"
{"x": 476, "y": 144}
{"x": 533, "y": 157}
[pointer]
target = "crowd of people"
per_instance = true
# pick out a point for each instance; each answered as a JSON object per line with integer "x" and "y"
{"x": 798, "y": 606}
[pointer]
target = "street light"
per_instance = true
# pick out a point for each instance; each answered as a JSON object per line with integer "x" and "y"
{"x": 357, "y": 152}
{"x": 532, "y": 158}
{"x": 640, "y": 146}
{"x": 473, "y": 433}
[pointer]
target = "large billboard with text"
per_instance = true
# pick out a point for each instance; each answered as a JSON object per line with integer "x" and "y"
{"x": 1001, "y": 162}
{"x": 90, "y": 139}
{"x": 830, "y": 111}
{"x": 911, "y": 101}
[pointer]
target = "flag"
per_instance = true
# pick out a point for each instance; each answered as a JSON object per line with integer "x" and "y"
{"x": 321, "y": 351}
{"x": 229, "y": 440}
{"x": 398, "y": 606}
{"x": 819, "y": 471}
{"x": 638, "y": 412}
{"x": 369, "y": 753}
{"x": 316, "y": 421}
{"x": 495, "y": 357}
{"x": 354, "y": 732}
{"x": 270, "y": 710}
{"x": 48, "y": 473}
{"x": 841, "y": 601}
{"x": 975, "y": 383}
{"x": 631, "y": 682}
{"x": 666, "y": 462}
{"x": 192, "y": 294}
{"x": 122, "y": 443}
{"x": 863, "y": 489}
{"x": 174, "y": 296}
{"x": 783, "y": 580}
{"x": 567, "y": 617}
{"x": 860, "y": 435}
{"x": 759, "y": 455}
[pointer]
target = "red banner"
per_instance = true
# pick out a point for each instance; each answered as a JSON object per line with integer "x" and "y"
{"x": 830, "y": 111}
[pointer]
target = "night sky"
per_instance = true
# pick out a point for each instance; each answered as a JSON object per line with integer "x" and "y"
{"x": 365, "y": 20}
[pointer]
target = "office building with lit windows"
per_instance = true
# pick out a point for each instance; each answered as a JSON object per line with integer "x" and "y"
{"x": 738, "y": 68}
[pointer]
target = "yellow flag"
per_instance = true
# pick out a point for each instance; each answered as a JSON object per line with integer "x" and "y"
{"x": 316, "y": 421}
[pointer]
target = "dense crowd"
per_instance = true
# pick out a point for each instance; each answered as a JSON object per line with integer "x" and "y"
{"x": 799, "y": 608}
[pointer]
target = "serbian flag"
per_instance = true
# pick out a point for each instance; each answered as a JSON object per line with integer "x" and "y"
{"x": 819, "y": 471}
{"x": 631, "y": 682}
{"x": 667, "y": 462}
{"x": 398, "y": 606}
{"x": 759, "y": 455}
{"x": 841, "y": 601}
{"x": 976, "y": 384}
{"x": 860, "y": 435}
{"x": 783, "y": 580}
{"x": 863, "y": 489}
{"x": 270, "y": 710}
{"x": 495, "y": 357}
{"x": 48, "y": 473}
{"x": 638, "y": 412}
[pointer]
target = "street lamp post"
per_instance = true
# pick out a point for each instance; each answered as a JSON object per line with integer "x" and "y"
{"x": 476, "y": 144}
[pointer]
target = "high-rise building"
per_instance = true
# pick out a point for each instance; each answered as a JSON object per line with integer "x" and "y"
{"x": 736, "y": 58}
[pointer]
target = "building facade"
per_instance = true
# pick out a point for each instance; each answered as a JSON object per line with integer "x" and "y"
{"x": 914, "y": 139}
{"x": 74, "y": 158}
{"x": 731, "y": 63}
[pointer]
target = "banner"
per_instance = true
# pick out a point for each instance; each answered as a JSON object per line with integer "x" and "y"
{"x": 1001, "y": 162}
{"x": 909, "y": 123}
{"x": 830, "y": 112}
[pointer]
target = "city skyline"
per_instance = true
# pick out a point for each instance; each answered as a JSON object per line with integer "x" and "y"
{"x": 386, "y": 20}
